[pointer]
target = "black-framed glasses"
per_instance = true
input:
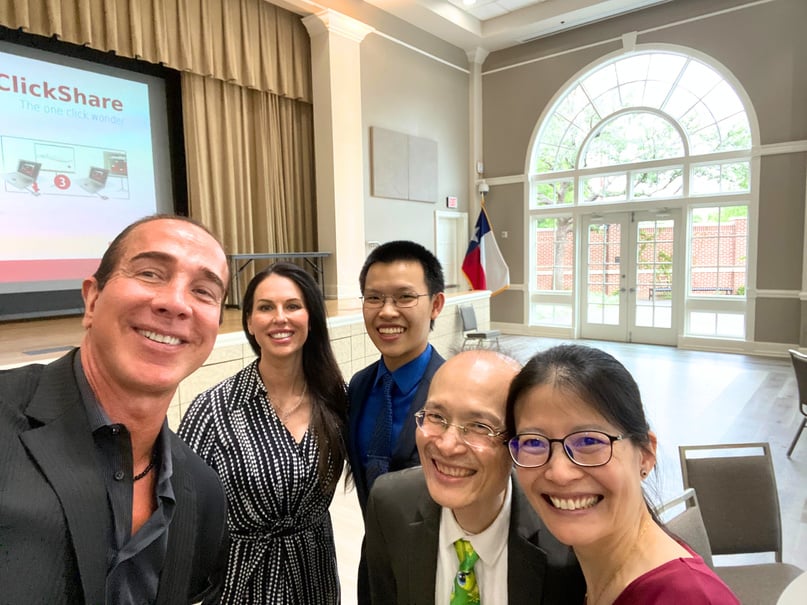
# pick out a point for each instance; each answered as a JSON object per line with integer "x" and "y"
{"x": 475, "y": 434}
{"x": 584, "y": 448}
{"x": 401, "y": 300}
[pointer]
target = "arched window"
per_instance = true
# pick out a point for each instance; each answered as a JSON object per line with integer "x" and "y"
{"x": 663, "y": 136}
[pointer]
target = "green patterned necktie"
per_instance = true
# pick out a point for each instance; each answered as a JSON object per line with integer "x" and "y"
{"x": 466, "y": 590}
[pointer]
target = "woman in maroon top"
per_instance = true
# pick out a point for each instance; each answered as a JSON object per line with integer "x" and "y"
{"x": 589, "y": 493}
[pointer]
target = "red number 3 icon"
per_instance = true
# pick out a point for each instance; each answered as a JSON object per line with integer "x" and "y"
{"x": 62, "y": 181}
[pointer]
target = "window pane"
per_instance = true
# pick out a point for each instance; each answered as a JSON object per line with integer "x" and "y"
{"x": 604, "y": 273}
{"x": 724, "y": 325}
{"x": 576, "y": 109}
{"x": 654, "y": 273}
{"x": 553, "y": 193}
{"x": 719, "y": 241}
{"x": 698, "y": 78}
{"x": 730, "y": 325}
{"x": 633, "y": 137}
{"x": 734, "y": 133}
{"x": 732, "y": 177}
{"x": 702, "y": 323}
{"x": 551, "y": 315}
{"x": 612, "y": 187}
{"x": 658, "y": 183}
{"x": 600, "y": 81}
{"x": 554, "y": 247}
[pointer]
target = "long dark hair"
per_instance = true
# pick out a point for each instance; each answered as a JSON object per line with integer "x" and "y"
{"x": 322, "y": 375}
{"x": 597, "y": 378}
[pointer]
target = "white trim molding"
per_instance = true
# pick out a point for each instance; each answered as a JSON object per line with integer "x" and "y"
{"x": 780, "y": 294}
{"x": 780, "y": 148}
{"x": 506, "y": 180}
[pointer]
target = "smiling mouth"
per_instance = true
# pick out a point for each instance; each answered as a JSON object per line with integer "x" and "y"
{"x": 453, "y": 471}
{"x": 280, "y": 335}
{"x": 395, "y": 330}
{"x": 161, "y": 338}
{"x": 573, "y": 503}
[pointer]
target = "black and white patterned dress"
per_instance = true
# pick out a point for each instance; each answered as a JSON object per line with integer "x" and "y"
{"x": 282, "y": 547}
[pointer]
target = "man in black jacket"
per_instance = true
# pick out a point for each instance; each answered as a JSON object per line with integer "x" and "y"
{"x": 100, "y": 502}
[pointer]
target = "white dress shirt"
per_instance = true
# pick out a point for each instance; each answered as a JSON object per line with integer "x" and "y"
{"x": 491, "y": 545}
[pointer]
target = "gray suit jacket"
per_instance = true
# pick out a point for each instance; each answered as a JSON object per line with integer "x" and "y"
{"x": 402, "y": 531}
{"x": 54, "y": 515}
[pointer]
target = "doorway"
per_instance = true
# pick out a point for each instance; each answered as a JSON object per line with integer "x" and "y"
{"x": 450, "y": 243}
{"x": 632, "y": 278}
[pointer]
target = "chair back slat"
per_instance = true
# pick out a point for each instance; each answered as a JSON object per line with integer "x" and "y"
{"x": 737, "y": 496}
{"x": 799, "y": 361}
{"x": 468, "y": 318}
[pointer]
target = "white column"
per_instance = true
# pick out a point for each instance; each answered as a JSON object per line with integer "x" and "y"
{"x": 338, "y": 146}
{"x": 475, "y": 59}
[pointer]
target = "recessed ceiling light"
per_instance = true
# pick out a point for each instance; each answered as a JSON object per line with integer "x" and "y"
{"x": 468, "y": 2}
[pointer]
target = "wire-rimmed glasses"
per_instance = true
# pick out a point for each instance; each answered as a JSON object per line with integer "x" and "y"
{"x": 584, "y": 448}
{"x": 374, "y": 300}
{"x": 474, "y": 434}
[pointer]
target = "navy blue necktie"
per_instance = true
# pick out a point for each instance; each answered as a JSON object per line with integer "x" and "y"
{"x": 379, "y": 449}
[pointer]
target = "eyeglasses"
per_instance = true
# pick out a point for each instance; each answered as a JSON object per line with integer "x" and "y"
{"x": 403, "y": 300}
{"x": 584, "y": 448}
{"x": 475, "y": 434}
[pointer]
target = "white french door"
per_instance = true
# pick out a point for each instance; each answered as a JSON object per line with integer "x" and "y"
{"x": 632, "y": 277}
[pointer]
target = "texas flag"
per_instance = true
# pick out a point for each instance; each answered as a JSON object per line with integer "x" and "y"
{"x": 484, "y": 264}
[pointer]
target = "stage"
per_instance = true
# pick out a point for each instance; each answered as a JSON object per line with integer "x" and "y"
{"x": 43, "y": 340}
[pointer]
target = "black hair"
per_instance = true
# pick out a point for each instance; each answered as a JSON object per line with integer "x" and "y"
{"x": 404, "y": 250}
{"x": 322, "y": 375}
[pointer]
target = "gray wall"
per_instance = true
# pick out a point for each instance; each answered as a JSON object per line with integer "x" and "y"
{"x": 763, "y": 46}
{"x": 408, "y": 92}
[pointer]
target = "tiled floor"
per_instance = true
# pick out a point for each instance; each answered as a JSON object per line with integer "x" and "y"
{"x": 691, "y": 398}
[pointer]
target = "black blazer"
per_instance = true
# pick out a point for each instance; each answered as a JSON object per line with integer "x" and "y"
{"x": 402, "y": 530}
{"x": 54, "y": 516}
{"x": 405, "y": 453}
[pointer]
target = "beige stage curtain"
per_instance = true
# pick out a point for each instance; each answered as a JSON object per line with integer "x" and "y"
{"x": 248, "y": 42}
{"x": 250, "y": 166}
{"x": 246, "y": 88}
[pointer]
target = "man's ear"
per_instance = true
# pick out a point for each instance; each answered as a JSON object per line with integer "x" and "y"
{"x": 437, "y": 304}
{"x": 89, "y": 292}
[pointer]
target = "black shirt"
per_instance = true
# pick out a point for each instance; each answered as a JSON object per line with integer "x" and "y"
{"x": 134, "y": 562}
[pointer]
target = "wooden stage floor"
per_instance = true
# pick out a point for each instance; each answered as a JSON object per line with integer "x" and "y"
{"x": 38, "y": 340}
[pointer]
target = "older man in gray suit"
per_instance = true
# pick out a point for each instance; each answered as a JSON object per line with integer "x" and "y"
{"x": 459, "y": 529}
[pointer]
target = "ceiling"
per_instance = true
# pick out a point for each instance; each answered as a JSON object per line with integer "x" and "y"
{"x": 495, "y": 24}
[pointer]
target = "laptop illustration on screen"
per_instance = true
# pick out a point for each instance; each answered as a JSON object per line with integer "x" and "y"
{"x": 26, "y": 175}
{"x": 96, "y": 181}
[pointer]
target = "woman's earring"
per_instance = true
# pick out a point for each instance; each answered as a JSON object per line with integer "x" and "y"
{"x": 644, "y": 473}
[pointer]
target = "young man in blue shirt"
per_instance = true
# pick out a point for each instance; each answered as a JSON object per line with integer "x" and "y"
{"x": 402, "y": 288}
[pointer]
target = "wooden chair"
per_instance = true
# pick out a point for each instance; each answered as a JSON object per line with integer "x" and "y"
{"x": 471, "y": 331}
{"x": 736, "y": 489}
{"x": 800, "y": 367}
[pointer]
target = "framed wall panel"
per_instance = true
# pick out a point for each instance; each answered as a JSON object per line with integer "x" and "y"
{"x": 403, "y": 167}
